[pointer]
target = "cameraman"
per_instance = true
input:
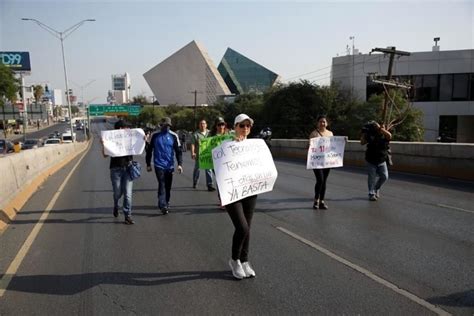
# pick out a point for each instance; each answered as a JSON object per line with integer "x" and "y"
{"x": 377, "y": 139}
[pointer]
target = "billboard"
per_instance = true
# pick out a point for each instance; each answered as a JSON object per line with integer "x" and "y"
{"x": 17, "y": 61}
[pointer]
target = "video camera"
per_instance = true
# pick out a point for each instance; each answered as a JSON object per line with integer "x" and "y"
{"x": 370, "y": 128}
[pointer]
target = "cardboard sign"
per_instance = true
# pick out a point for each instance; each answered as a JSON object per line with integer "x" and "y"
{"x": 123, "y": 142}
{"x": 206, "y": 145}
{"x": 326, "y": 152}
{"x": 243, "y": 169}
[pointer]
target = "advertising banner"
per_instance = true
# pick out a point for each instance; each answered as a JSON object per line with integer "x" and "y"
{"x": 17, "y": 61}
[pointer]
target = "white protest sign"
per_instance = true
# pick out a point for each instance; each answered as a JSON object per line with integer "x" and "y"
{"x": 326, "y": 152}
{"x": 243, "y": 169}
{"x": 123, "y": 142}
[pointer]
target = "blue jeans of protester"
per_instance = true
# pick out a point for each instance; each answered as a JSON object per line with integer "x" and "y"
{"x": 378, "y": 174}
{"x": 196, "y": 173}
{"x": 122, "y": 185}
{"x": 165, "y": 180}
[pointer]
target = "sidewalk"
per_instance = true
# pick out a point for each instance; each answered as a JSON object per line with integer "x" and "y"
{"x": 30, "y": 129}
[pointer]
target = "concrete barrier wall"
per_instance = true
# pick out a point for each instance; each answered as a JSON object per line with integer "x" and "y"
{"x": 452, "y": 160}
{"x": 23, "y": 172}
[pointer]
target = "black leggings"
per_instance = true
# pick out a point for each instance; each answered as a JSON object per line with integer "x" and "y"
{"x": 241, "y": 213}
{"x": 320, "y": 186}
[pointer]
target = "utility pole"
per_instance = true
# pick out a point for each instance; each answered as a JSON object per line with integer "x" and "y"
{"x": 195, "y": 92}
{"x": 353, "y": 64}
{"x": 388, "y": 82}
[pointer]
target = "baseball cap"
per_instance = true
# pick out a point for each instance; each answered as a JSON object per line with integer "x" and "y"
{"x": 166, "y": 121}
{"x": 242, "y": 117}
{"x": 219, "y": 120}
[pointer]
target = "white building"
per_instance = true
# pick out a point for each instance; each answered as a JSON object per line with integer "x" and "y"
{"x": 443, "y": 86}
{"x": 187, "y": 74}
{"x": 121, "y": 88}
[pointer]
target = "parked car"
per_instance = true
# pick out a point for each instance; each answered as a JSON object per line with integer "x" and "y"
{"x": 32, "y": 143}
{"x": 52, "y": 142}
{"x": 6, "y": 146}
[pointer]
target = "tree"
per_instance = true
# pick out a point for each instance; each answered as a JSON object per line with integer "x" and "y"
{"x": 74, "y": 109}
{"x": 9, "y": 85}
{"x": 38, "y": 92}
{"x": 291, "y": 110}
{"x": 139, "y": 99}
{"x": 405, "y": 121}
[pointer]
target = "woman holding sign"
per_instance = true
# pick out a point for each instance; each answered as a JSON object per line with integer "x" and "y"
{"x": 320, "y": 174}
{"x": 241, "y": 213}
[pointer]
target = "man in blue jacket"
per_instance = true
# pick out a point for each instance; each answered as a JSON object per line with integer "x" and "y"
{"x": 163, "y": 145}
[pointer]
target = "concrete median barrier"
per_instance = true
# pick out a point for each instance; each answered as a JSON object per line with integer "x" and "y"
{"x": 22, "y": 174}
{"x": 451, "y": 160}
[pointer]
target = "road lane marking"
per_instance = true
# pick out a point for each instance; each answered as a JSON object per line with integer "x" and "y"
{"x": 454, "y": 208}
{"x": 13, "y": 268}
{"x": 367, "y": 273}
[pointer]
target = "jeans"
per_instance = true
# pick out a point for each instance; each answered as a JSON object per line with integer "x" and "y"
{"x": 196, "y": 173}
{"x": 165, "y": 180}
{"x": 380, "y": 171}
{"x": 122, "y": 185}
{"x": 241, "y": 213}
{"x": 320, "y": 186}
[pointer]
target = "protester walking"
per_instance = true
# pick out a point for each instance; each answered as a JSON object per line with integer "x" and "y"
{"x": 241, "y": 213}
{"x": 121, "y": 183}
{"x": 219, "y": 129}
{"x": 183, "y": 141}
{"x": 163, "y": 146}
{"x": 377, "y": 139}
{"x": 321, "y": 174}
{"x": 201, "y": 133}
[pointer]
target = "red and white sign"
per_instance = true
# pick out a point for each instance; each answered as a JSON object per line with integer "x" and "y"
{"x": 19, "y": 105}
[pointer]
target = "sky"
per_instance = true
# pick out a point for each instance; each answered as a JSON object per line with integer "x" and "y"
{"x": 291, "y": 38}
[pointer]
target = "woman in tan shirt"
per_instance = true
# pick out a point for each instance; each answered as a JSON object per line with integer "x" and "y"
{"x": 320, "y": 174}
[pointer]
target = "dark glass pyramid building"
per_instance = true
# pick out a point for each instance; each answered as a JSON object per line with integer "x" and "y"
{"x": 243, "y": 75}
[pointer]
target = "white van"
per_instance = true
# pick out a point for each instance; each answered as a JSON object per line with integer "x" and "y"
{"x": 67, "y": 137}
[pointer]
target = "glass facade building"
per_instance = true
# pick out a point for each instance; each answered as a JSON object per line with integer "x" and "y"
{"x": 243, "y": 75}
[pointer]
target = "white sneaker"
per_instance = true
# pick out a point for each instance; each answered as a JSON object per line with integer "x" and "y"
{"x": 249, "y": 272}
{"x": 237, "y": 270}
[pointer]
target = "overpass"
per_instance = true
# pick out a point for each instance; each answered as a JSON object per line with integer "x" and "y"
{"x": 411, "y": 252}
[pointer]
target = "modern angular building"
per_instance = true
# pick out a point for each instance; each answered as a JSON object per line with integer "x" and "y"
{"x": 186, "y": 74}
{"x": 443, "y": 87}
{"x": 243, "y": 75}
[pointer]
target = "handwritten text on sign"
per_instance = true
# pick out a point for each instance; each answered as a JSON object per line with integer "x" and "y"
{"x": 326, "y": 152}
{"x": 206, "y": 145}
{"x": 243, "y": 169}
{"x": 123, "y": 142}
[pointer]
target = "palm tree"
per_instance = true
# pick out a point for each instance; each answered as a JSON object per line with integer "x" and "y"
{"x": 38, "y": 92}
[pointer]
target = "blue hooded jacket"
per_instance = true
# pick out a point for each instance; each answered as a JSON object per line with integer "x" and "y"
{"x": 163, "y": 145}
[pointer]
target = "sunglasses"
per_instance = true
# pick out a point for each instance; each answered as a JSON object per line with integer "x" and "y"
{"x": 242, "y": 125}
{"x": 221, "y": 124}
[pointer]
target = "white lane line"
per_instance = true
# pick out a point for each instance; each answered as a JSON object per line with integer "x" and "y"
{"x": 454, "y": 208}
{"x": 367, "y": 273}
{"x": 13, "y": 268}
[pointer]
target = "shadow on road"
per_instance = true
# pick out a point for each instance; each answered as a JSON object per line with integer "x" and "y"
{"x": 460, "y": 299}
{"x": 77, "y": 283}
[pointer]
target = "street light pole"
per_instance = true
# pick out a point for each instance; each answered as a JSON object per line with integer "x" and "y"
{"x": 82, "y": 89}
{"x": 62, "y": 36}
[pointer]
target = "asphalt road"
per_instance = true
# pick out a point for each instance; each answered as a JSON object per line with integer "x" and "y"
{"x": 410, "y": 253}
{"x": 43, "y": 133}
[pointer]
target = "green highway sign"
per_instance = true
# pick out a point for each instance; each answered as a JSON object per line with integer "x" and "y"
{"x": 106, "y": 109}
